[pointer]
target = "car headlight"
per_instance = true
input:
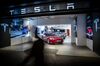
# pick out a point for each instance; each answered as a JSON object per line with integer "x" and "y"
{"x": 51, "y": 38}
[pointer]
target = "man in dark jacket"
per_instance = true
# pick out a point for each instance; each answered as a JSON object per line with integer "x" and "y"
{"x": 37, "y": 51}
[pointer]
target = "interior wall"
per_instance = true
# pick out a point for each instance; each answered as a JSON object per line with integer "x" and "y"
{"x": 89, "y": 44}
{"x": 31, "y": 21}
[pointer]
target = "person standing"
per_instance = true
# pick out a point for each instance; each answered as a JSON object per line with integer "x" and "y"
{"x": 37, "y": 51}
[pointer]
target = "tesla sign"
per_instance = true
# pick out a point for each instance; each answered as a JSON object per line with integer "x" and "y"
{"x": 97, "y": 24}
{"x": 38, "y": 9}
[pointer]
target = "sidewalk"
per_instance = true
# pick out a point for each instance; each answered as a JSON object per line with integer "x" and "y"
{"x": 16, "y": 55}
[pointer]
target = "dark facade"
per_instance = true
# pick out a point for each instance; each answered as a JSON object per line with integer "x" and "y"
{"x": 96, "y": 36}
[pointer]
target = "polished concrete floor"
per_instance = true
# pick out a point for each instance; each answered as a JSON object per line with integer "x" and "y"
{"x": 12, "y": 57}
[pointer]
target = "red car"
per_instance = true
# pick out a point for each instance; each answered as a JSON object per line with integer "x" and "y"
{"x": 53, "y": 39}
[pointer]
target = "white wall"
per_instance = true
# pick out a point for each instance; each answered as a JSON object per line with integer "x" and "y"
{"x": 19, "y": 40}
{"x": 81, "y": 30}
{"x": 31, "y": 21}
{"x": 90, "y": 44}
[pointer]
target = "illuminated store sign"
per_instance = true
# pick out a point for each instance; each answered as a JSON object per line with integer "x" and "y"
{"x": 97, "y": 24}
{"x": 49, "y": 8}
{"x": 4, "y": 26}
{"x": 46, "y": 8}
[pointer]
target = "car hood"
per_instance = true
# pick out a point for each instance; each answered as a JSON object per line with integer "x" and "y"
{"x": 56, "y": 37}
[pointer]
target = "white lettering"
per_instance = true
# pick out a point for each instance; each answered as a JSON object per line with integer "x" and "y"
{"x": 70, "y": 5}
{"x": 11, "y": 11}
{"x": 37, "y": 9}
{"x": 23, "y": 11}
{"x": 51, "y": 9}
{"x": 4, "y": 26}
{"x": 96, "y": 21}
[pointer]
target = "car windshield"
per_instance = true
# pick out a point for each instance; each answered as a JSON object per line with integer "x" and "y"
{"x": 49, "y": 34}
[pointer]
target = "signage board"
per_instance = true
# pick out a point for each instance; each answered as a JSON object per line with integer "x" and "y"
{"x": 48, "y": 8}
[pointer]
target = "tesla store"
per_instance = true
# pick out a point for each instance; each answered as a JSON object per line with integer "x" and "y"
{"x": 59, "y": 24}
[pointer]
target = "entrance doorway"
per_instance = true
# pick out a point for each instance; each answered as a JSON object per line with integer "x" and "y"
{"x": 62, "y": 26}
